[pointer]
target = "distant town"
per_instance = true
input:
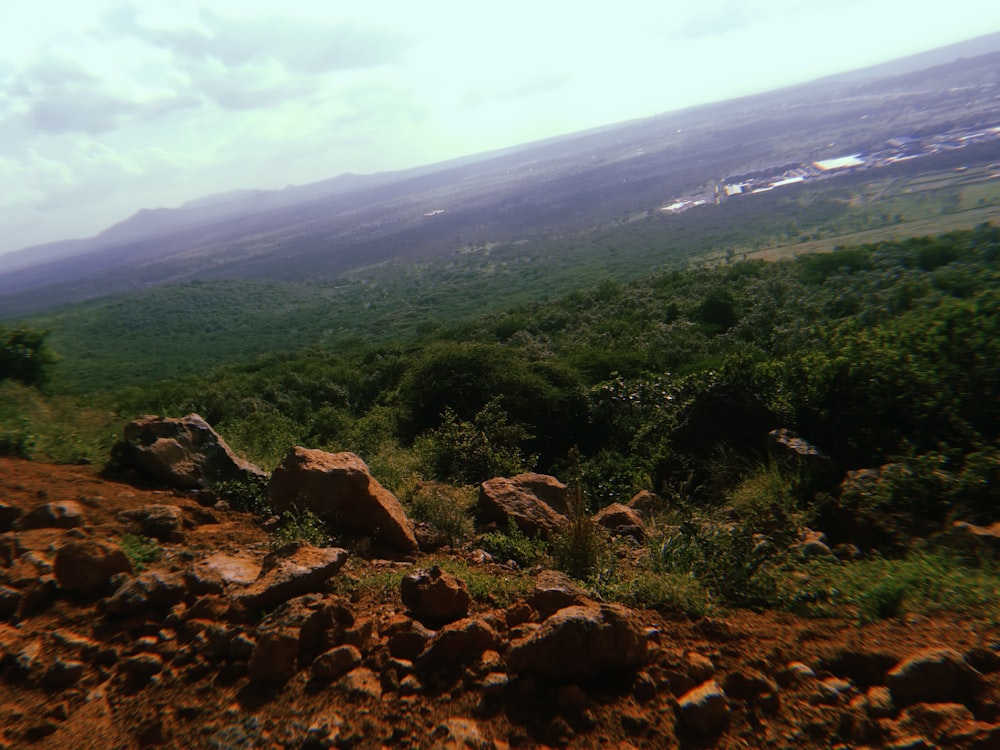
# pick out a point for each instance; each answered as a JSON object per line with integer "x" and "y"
{"x": 898, "y": 149}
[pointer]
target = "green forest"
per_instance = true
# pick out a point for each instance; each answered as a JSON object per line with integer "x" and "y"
{"x": 882, "y": 355}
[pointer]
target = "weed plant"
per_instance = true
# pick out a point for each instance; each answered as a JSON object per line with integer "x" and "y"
{"x": 514, "y": 545}
{"x": 140, "y": 550}
{"x": 301, "y": 526}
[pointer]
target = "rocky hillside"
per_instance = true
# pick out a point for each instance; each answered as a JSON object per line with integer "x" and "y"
{"x": 136, "y": 616}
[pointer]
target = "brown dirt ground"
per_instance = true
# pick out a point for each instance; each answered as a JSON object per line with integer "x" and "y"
{"x": 188, "y": 708}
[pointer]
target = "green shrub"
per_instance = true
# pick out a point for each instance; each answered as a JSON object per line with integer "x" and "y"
{"x": 444, "y": 507}
{"x": 140, "y": 550}
{"x": 666, "y": 592}
{"x": 581, "y": 548}
{"x": 514, "y": 545}
{"x": 724, "y": 558}
{"x": 471, "y": 452}
{"x": 301, "y": 526}
{"x": 247, "y": 495}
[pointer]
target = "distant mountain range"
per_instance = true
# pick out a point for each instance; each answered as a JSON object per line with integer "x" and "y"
{"x": 561, "y": 187}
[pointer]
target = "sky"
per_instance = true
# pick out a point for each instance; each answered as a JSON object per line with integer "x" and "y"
{"x": 111, "y": 106}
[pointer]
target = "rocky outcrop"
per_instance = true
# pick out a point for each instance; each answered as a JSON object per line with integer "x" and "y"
{"x": 535, "y": 502}
{"x": 435, "y": 597}
{"x": 580, "y": 642}
{"x": 182, "y": 452}
{"x": 338, "y": 488}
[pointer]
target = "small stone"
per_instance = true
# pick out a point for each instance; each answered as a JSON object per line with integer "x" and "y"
{"x": 335, "y": 663}
{"x": 141, "y": 667}
{"x": 66, "y": 514}
{"x": 361, "y": 683}
{"x": 700, "y": 667}
{"x": 435, "y": 597}
{"x": 933, "y": 676}
{"x": 274, "y": 658}
{"x": 88, "y": 565}
{"x": 495, "y": 684}
{"x": 704, "y": 710}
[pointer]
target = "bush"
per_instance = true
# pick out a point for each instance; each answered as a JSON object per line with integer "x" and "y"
{"x": 301, "y": 526}
{"x": 724, "y": 558}
{"x": 445, "y": 508}
{"x": 140, "y": 550}
{"x": 249, "y": 495}
{"x": 472, "y": 452}
{"x": 581, "y": 548}
{"x": 514, "y": 545}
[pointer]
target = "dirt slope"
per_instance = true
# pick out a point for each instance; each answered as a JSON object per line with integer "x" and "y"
{"x": 74, "y": 675}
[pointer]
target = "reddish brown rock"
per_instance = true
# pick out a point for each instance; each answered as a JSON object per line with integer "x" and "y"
{"x": 555, "y": 590}
{"x": 646, "y": 502}
{"x": 275, "y": 656}
{"x": 361, "y": 683}
{"x": 150, "y": 589}
{"x": 335, "y": 663}
{"x": 534, "y": 502}
{"x": 435, "y": 597}
{"x": 291, "y": 571}
{"x": 933, "y": 676}
{"x": 621, "y": 520}
{"x": 86, "y": 566}
{"x": 230, "y": 569}
{"x": 457, "y": 645}
{"x": 185, "y": 453}
{"x": 704, "y": 710}
{"x": 66, "y": 514}
{"x": 580, "y": 642}
{"x": 407, "y": 638}
{"x": 159, "y": 521}
{"x": 338, "y": 488}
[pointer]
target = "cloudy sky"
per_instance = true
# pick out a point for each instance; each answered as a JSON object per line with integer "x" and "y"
{"x": 109, "y": 106}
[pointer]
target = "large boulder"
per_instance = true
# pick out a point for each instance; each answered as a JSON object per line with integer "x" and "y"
{"x": 580, "y": 642}
{"x": 535, "y": 502}
{"x": 338, "y": 488}
{"x": 181, "y": 452}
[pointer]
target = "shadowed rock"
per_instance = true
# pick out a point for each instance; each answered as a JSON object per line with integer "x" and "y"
{"x": 338, "y": 488}
{"x": 535, "y": 502}
{"x": 86, "y": 566}
{"x": 291, "y": 571}
{"x": 435, "y": 597}
{"x": 933, "y": 676}
{"x": 580, "y": 642}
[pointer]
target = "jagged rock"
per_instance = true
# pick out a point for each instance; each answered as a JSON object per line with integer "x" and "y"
{"x": 933, "y": 676}
{"x": 9, "y": 516}
{"x": 748, "y": 684}
{"x": 553, "y": 591}
{"x": 704, "y": 709}
{"x": 700, "y": 667}
{"x": 460, "y": 734}
{"x": 579, "y": 642}
{"x": 291, "y": 571}
{"x": 66, "y": 514}
{"x": 335, "y": 663}
{"x": 322, "y": 622}
{"x": 457, "y": 645}
{"x": 361, "y": 683}
{"x": 275, "y": 656}
{"x": 786, "y": 445}
{"x": 407, "y": 638}
{"x": 338, "y": 488}
{"x": 621, "y": 520}
{"x": 428, "y": 537}
{"x": 141, "y": 667}
{"x": 230, "y": 569}
{"x": 87, "y": 566}
{"x": 435, "y": 597}
{"x": 531, "y": 501}
{"x": 149, "y": 589}
{"x": 163, "y": 522}
{"x": 184, "y": 452}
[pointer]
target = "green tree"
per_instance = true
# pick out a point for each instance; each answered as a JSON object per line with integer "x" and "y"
{"x": 24, "y": 355}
